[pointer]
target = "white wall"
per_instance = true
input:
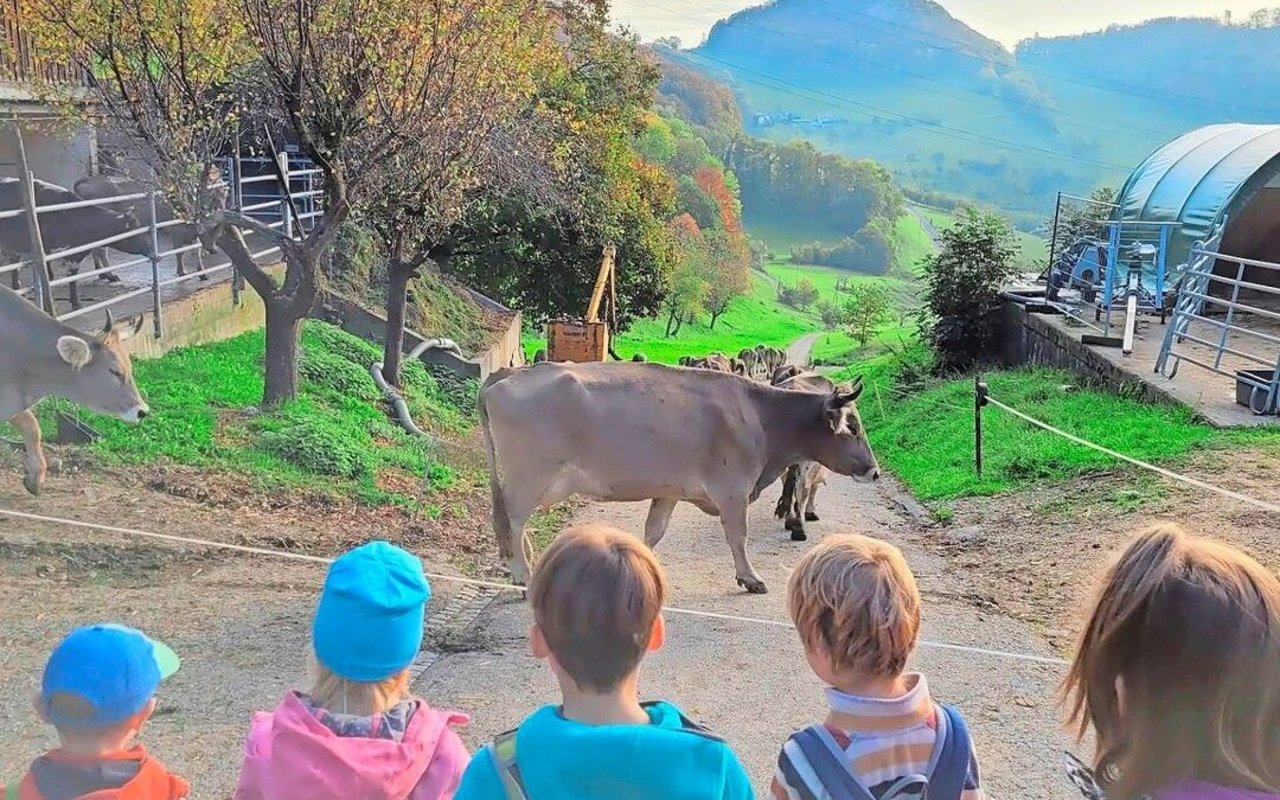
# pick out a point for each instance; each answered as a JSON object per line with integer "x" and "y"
{"x": 58, "y": 152}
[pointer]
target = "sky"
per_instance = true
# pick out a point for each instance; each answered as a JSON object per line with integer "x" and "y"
{"x": 1006, "y": 21}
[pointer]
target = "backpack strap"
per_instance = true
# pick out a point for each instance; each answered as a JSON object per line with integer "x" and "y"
{"x": 830, "y": 764}
{"x": 949, "y": 765}
{"x": 502, "y": 751}
{"x": 687, "y": 725}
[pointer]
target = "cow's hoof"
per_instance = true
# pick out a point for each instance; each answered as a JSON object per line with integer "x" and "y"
{"x": 809, "y": 516}
{"x": 799, "y": 536}
{"x": 753, "y": 586}
{"x": 34, "y": 484}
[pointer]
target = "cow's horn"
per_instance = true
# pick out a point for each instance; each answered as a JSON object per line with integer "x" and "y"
{"x": 134, "y": 328}
{"x": 111, "y": 323}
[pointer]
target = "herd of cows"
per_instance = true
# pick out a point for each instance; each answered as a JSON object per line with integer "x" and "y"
{"x": 616, "y": 431}
{"x": 705, "y": 432}
{"x": 63, "y": 229}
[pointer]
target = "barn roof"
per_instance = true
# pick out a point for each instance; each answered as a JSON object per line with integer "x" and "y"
{"x": 1198, "y": 178}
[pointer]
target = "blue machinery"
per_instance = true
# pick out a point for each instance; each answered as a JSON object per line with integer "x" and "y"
{"x": 1124, "y": 267}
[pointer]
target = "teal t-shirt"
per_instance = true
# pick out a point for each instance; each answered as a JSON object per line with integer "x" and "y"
{"x": 566, "y": 760}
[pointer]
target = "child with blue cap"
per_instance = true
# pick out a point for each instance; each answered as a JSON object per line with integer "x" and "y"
{"x": 98, "y": 691}
{"x": 359, "y": 733}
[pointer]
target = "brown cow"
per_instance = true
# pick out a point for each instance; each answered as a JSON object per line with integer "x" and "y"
{"x": 797, "y": 504}
{"x": 628, "y": 432}
{"x": 43, "y": 357}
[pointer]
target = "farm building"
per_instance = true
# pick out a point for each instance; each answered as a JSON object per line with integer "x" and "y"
{"x": 1218, "y": 174}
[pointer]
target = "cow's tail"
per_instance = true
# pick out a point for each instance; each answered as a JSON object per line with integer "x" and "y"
{"x": 783, "y": 509}
{"x": 501, "y": 520}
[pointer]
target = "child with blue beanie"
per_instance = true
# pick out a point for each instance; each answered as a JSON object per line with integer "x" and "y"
{"x": 359, "y": 733}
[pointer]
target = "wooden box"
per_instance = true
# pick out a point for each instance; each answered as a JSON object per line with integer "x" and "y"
{"x": 577, "y": 341}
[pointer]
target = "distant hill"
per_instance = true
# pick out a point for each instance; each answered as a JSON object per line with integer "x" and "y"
{"x": 947, "y": 109}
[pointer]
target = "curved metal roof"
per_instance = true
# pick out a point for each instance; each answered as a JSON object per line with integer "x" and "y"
{"x": 1197, "y": 178}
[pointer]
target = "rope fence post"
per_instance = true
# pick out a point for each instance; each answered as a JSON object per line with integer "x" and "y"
{"x": 236, "y": 196}
{"x": 39, "y": 264}
{"x": 980, "y": 395}
{"x": 286, "y": 201}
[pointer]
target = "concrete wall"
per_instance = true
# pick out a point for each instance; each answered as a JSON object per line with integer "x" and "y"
{"x": 357, "y": 320}
{"x": 204, "y": 316}
{"x": 1029, "y": 339}
{"x": 58, "y": 152}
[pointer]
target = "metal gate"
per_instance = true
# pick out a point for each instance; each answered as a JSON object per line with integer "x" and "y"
{"x": 1193, "y": 322}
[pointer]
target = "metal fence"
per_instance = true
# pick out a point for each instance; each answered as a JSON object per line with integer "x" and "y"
{"x": 256, "y": 190}
{"x": 1214, "y": 321}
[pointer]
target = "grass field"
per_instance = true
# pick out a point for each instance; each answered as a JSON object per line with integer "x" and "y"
{"x": 755, "y": 319}
{"x": 836, "y": 348}
{"x": 335, "y": 439}
{"x": 926, "y": 437}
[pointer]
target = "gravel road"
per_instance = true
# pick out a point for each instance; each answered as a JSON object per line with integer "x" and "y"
{"x": 749, "y": 681}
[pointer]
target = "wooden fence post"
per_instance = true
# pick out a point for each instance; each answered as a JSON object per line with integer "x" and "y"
{"x": 980, "y": 393}
{"x": 39, "y": 265}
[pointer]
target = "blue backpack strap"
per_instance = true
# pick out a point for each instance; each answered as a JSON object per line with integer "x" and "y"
{"x": 830, "y": 764}
{"x": 502, "y": 752}
{"x": 950, "y": 773}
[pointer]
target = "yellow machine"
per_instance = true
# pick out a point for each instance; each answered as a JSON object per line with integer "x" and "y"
{"x": 581, "y": 340}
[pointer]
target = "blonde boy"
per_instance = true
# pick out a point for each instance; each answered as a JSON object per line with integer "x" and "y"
{"x": 597, "y": 599}
{"x": 856, "y": 607}
{"x": 98, "y": 691}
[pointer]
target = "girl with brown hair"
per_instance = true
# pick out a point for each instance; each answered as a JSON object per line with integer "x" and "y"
{"x": 1178, "y": 674}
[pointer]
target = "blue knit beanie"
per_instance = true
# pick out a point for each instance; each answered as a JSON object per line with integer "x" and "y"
{"x": 368, "y": 625}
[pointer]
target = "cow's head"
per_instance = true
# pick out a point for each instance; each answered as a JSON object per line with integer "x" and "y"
{"x": 843, "y": 445}
{"x": 102, "y": 374}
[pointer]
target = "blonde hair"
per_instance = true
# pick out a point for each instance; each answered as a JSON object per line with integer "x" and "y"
{"x": 1190, "y": 631}
{"x": 335, "y": 693}
{"x": 596, "y": 594}
{"x": 856, "y": 599}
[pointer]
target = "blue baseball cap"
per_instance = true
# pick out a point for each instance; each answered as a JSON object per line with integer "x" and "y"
{"x": 368, "y": 624}
{"x": 113, "y": 668}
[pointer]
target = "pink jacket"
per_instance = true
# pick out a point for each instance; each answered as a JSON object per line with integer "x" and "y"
{"x": 290, "y": 754}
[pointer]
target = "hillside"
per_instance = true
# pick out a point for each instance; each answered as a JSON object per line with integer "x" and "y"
{"x": 945, "y": 108}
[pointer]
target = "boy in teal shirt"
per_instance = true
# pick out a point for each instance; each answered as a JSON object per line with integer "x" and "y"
{"x": 597, "y": 604}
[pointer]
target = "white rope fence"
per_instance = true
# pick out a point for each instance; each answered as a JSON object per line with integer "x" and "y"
{"x": 1170, "y": 474}
{"x": 502, "y": 587}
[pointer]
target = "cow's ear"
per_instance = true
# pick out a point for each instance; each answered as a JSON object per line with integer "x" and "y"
{"x": 74, "y": 350}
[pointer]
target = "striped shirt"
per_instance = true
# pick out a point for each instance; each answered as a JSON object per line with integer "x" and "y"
{"x": 883, "y": 739}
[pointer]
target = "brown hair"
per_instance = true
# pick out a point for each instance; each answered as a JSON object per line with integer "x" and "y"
{"x": 335, "y": 693}
{"x": 71, "y": 706}
{"x": 856, "y": 598}
{"x": 596, "y": 594}
{"x": 1191, "y": 628}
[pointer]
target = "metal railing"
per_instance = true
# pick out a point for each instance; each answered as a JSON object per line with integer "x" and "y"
{"x": 271, "y": 201}
{"x": 1192, "y": 323}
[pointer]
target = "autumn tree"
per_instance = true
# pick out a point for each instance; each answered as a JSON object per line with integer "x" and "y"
{"x": 489, "y": 57}
{"x": 352, "y": 83}
{"x": 687, "y": 284}
{"x": 728, "y": 271}
{"x": 544, "y": 259}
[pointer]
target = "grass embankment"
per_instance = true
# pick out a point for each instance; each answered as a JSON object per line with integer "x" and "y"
{"x": 926, "y": 437}
{"x": 335, "y": 439}
{"x": 1032, "y": 250}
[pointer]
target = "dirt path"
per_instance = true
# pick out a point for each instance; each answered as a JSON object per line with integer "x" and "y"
{"x": 749, "y": 681}
{"x": 798, "y": 352}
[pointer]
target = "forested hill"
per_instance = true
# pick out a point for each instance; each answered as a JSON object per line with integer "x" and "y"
{"x": 947, "y": 109}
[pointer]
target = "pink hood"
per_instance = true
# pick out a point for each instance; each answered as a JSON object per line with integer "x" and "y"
{"x": 290, "y": 754}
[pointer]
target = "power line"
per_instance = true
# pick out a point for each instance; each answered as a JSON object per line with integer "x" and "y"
{"x": 1136, "y": 91}
{"x": 944, "y": 130}
{"x": 1133, "y": 132}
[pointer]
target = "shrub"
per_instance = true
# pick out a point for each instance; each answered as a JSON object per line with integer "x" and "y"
{"x": 962, "y": 290}
{"x": 318, "y": 445}
{"x": 324, "y": 368}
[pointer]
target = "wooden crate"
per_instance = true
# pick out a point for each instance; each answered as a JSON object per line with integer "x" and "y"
{"x": 577, "y": 341}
